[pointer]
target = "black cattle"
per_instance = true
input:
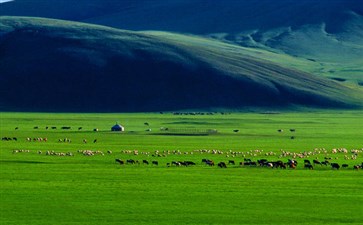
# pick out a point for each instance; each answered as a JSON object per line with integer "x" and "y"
{"x": 65, "y": 128}
{"x": 236, "y": 131}
{"x": 306, "y": 161}
{"x": 231, "y": 162}
{"x": 155, "y": 163}
{"x": 335, "y": 166}
{"x": 280, "y": 130}
{"x": 120, "y": 161}
{"x": 357, "y": 167}
{"x": 317, "y": 162}
{"x": 292, "y": 137}
{"x": 145, "y": 162}
{"x": 262, "y": 162}
{"x": 209, "y": 163}
{"x": 46, "y": 128}
{"x": 146, "y": 124}
{"x": 292, "y": 130}
{"x": 222, "y": 165}
{"x": 325, "y": 163}
{"x": 95, "y": 140}
{"x": 247, "y": 160}
{"x": 79, "y": 128}
{"x": 15, "y": 139}
{"x": 130, "y": 161}
{"x": 53, "y": 128}
{"x": 16, "y": 128}
{"x": 345, "y": 165}
{"x": 309, "y": 166}
{"x": 189, "y": 163}
{"x": 36, "y": 127}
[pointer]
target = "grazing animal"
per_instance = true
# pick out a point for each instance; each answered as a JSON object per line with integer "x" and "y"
{"x": 16, "y": 128}
{"x": 120, "y": 161}
{"x": 280, "y": 130}
{"x": 53, "y": 128}
{"x": 306, "y": 161}
{"x": 317, "y": 162}
{"x": 309, "y": 166}
{"x": 231, "y": 162}
{"x": 236, "y": 131}
{"x": 292, "y": 130}
{"x": 292, "y": 137}
{"x": 96, "y": 129}
{"x": 95, "y": 140}
{"x": 357, "y": 167}
{"x": 130, "y": 161}
{"x": 146, "y": 124}
{"x": 79, "y": 128}
{"x": 65, "y": 128}
{"x": 145, "y": 162}
{"x": 222, "y": 165}
{"x": 36, "y": 127}
{"x": 335, "y": 166}
{"x": 345, "y": 165}
{"x": 155, "y": 163}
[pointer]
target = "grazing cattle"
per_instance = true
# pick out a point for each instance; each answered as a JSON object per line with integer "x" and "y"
{"x": 292, "y": 137}
{"x": 109, "y": 152}
{"x": 46, "y": 127}
{"x": 262, "y": 162}
{"x": 85, "y": 141}
{"x": 357, "y": 167}
{"x": 145, "y": 162}
{"x": 189, "y": 163}
{"x": 222, "y": 165}
{"x": 15, "y": 139}
{"x": 325, "y": 163}
{"x": 65, "y": 128}
{"x": 292, "y": 130}
{"x": 231, "y": 162}
{"x": 155, "y": 163}
{"x": 54, "y": 128}
{"x": 96, "y": 129}
{"x": 79, "y": 128}
{"x": 280, "y": 130}
{"x": 120, "y": 161}
{"x": 306, "y": 161}
{"x": 95, "y": 140}
{"x": 36, "y": 127}
{"x": 209, "y": 163}
{"x": 308, "y": 166}
{"x": 236, "y": 131}
{"x": 146, "y": 124}
{"x": 317, "y": 162}
{"x": 345, "y": 165}
{"x": 335, "y": 166}
{"x": 130, "y": 161}
{"x": 16, "y": 128}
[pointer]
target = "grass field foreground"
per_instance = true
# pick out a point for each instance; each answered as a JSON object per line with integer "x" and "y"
{"x": 49, "y": 189}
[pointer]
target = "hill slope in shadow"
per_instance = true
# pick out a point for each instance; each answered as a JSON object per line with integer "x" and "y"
{"x": 52, "y": 65}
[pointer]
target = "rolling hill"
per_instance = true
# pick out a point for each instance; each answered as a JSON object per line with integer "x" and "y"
{"x": 326, "y": 32}
{"x": 54, "y": 65}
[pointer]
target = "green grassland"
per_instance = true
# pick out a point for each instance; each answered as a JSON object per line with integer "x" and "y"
{"x": 49, "y": 189}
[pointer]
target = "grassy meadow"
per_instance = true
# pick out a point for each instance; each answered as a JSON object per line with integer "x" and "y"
{"x": 51, "y": 189}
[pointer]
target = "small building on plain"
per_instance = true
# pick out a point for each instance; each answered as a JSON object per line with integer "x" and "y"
{"x": 117, "y": 127}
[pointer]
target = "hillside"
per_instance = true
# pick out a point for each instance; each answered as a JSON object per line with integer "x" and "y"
{"x": 53, "y": 65}
{"x": 327, "y": 32}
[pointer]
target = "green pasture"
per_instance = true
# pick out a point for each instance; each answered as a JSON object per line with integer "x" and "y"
{"x": 50, "y": 189}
